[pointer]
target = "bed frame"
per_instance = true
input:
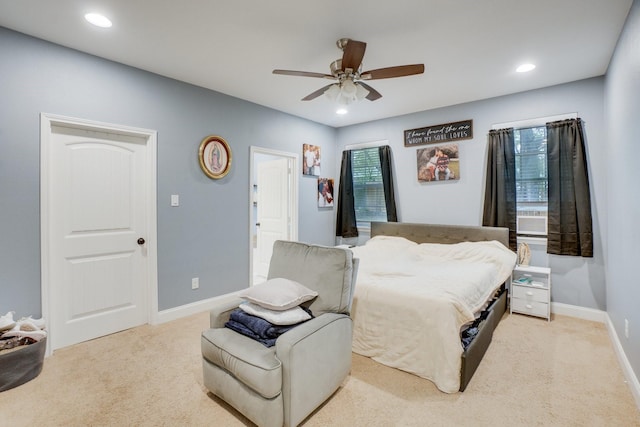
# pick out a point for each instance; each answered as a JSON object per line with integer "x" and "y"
{"x": 428, "y": 233}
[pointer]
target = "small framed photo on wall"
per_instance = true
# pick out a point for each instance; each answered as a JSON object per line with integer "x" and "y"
{"x": 215, "y": 157}
{"x": 310, "y": 160}
{"x": 325, "y": 192}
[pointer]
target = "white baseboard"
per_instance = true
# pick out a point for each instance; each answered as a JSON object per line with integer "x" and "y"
{"x": 630, "y": 376}
{"x": 187, "y": 309}
{"x": 579, "y": 312}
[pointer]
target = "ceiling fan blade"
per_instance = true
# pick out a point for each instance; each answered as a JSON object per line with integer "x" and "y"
{"x": 317, "y": 93}
{"x": 303, "y": 74}
{"x": 353, "y": 54}
{"x": 389, "y": 72}
{"x": 373, "y": 94}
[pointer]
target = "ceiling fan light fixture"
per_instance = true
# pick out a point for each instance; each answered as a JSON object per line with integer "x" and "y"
{"x": 346, "y": 92}
{"x": 333, "y": 92}
{"x": 349, "y": 89}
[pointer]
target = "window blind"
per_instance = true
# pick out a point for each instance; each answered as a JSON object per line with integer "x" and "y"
{"x": 368, "y": 191}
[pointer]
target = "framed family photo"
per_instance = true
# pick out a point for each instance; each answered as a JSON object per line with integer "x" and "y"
{"x": 439, "y": 163}
{"x": 325, "y": 192}
{"x": 310, "y": 160}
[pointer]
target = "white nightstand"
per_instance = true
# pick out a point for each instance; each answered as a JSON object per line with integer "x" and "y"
{"x": 531, "y": 291}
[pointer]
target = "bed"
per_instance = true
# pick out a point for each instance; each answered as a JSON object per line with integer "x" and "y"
{"x": 402, "y": 323}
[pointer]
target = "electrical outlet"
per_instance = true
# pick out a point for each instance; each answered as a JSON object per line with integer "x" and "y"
{"x": 626, "y": 328}
{"x": 195, "y": 283}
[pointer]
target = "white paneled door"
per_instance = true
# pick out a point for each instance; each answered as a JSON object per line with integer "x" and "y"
{"x": 274, "y": 216}
{"x": 98, "y": 267}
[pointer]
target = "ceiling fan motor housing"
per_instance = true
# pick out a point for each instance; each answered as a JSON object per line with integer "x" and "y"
{"x": 340, "y": 74}
{"x": 342, "y": 43}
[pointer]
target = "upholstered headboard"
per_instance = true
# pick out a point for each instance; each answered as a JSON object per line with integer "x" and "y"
{"x": 434, "y": 233}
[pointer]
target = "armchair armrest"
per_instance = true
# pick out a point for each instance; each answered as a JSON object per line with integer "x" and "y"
{"x": 316, "y": 358}
{"x": 222, "y": 308}
{"x": 305, "y": 330}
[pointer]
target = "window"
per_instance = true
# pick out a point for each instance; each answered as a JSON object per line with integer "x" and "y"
{"x": 531, "y": 180}
{"x": 532, "y": 186}
{"x": 368, "y": 191}
{"x": 366, "y": 188}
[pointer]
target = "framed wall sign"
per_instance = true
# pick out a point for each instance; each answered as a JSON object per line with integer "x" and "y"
{"x": 439, "y": 133}
{"x": 215, "y": 156}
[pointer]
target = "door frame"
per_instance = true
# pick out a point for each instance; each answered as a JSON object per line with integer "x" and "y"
{"x": 47, "y": 121}
{"x": 293, "y": 192}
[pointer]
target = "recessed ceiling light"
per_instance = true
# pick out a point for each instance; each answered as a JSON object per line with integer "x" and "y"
{"x": 342, "y": 111}
{"x": 525, "y": 68}
{"x": 98, "y": 20}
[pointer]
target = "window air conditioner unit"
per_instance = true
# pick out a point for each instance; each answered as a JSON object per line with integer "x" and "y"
{"x": 535, "y": 225}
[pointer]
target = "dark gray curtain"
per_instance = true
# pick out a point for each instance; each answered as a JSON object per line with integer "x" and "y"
{"x": 500, "y": 189}
{"x": 387, "y": 183}
{"x": 346, "y": 216}
{"x": 570, "y": 225}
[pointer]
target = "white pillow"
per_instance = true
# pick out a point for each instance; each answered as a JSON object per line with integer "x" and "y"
{"x": 278, "y": 294}
{"x": 285, "y": 317}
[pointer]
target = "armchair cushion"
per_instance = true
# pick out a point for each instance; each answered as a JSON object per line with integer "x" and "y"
{"x": 249, "y": 361}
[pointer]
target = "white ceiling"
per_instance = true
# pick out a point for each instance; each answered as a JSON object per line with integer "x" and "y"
{"x": 470, "y": 48}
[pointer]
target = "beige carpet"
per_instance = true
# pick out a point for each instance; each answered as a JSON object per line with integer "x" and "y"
{"x": 562, "y": 373}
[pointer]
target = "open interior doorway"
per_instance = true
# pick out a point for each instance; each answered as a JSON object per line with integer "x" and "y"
{"x": 273, "y": 206}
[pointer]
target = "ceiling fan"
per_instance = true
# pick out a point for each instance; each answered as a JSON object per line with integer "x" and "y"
{"x": 346, "y": 72}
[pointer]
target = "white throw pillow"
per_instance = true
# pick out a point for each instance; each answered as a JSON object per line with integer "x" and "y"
{"x": 278, "y": 294}
{"x": 285, "y": 317}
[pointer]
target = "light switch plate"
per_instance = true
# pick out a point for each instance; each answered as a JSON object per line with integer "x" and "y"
{"x": 175, "y": 200}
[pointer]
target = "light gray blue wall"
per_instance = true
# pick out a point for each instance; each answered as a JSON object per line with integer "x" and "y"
{"x": 623, "y": 151}
{"x": 37, "y": 76}
{"x": 208, "y": 235}
{"x": 576, "y": 281}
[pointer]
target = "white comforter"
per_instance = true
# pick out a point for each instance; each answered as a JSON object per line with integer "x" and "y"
{"x": 411, "y": 301}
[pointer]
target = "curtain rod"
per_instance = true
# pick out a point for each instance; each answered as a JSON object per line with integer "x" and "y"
{"x": 540, "y": 121}
{"x": 366, "y": 144}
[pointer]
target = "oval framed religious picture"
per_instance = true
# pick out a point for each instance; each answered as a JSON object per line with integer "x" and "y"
{"x": 215, "y": 156}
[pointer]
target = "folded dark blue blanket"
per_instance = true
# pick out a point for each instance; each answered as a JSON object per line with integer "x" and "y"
{"x": 258, "y": 325}
{"x": 240, "y": 328}
{"x": 258, "y": 328}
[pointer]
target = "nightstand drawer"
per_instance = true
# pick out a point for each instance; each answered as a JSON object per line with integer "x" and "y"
{"x": 534, "y": 308}
{"x": 529, "y": 293}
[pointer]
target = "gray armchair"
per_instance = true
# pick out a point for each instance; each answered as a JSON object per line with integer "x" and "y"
{"x": 283, "y": 384}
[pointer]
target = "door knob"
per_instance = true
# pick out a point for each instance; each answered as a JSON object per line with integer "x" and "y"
{"x": 141, "y": 241}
